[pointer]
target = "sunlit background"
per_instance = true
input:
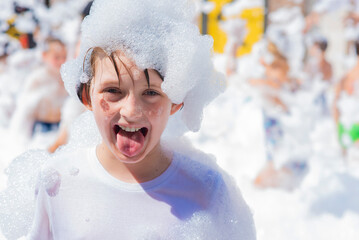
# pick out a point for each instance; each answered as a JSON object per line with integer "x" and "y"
{"x": 286, "y": 128}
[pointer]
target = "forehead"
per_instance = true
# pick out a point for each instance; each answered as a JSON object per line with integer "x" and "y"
{"x": 56, "y": 47}
{"x": 116, "y": 62}
{"x": 118, "y": 67}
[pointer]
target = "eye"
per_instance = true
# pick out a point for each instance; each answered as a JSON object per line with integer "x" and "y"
{"x": 112, "y": 94}
{"x": 150, "y": 92}
{"x": 112, "y": 90}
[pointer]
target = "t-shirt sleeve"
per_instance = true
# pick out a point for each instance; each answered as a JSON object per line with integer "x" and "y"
{"x": 40, "y": 229}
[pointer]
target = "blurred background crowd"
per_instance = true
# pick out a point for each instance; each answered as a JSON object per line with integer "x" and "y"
{"x": 298, "y": 58}
{"x": 294, "y": 61}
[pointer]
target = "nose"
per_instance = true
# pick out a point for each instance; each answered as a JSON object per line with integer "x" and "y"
{"x": 131, "y": 108}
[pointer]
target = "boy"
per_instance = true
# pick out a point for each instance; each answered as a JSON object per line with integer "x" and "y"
{"x": 319, "y": 63}
{"x": 139, "y": 68}
{"x": 39, "y": 104}
{"x": 344, "y": 106}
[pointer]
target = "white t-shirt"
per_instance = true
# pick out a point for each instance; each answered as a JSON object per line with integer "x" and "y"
{"x": 78, "y": 199}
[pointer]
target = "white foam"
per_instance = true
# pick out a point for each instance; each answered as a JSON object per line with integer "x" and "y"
{"x": 155, "y": 34}
{"x": 25, "y": 23}
{"x": 236, "y": 7}
{"x": 17, "y": 201}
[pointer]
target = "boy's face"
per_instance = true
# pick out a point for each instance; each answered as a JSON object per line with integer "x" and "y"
{"x": 55, "y": 56}
{"x": 315, "y": 51}
{"x": 130, "y": 115}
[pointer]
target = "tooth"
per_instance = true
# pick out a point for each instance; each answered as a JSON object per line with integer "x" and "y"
{"x": 128, "y": 129}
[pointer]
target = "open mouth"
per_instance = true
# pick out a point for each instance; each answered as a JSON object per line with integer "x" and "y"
{"x": 117, "y": 129}
{"x": 130, "y": 141}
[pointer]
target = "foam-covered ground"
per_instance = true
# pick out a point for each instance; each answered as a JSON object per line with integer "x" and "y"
{"x": 324, "y": 206}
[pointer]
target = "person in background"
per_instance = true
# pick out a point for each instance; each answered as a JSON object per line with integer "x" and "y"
{"x": 317, "y": 62}
{"x": 72, "y": 107}
{"x": 345, "y": 106}
{"x": 272, "y": 85}
{"x": 40, "y": 102}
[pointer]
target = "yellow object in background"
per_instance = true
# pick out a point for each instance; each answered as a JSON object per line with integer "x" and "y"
{"x": 12, "y": 31}
{"x": 255, "y": 28}
{"x": 254, "y": 18}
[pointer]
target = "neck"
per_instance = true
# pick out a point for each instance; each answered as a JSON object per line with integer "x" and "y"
{"x": 152, "y": 166}
{"x": 322, "y": 57}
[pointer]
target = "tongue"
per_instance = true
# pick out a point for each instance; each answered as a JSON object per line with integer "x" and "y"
{"x": 130, "y": 143}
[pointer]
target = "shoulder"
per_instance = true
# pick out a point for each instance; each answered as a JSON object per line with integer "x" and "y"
{"x": 36, "y": 76}
{"x": 203, "y": 170}
{"x": 64, "y": 160}
{"x": 38, "y": 72}
{"x": 203, "y": 177}
{"x": 227, "y": 207}
{"x": 60, "y": 170}
{"x": 341, "y": 83}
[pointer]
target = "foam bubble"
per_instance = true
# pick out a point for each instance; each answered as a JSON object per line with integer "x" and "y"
{"x": 51, "y": 180}
{"x": 17, "y": 201}
{"x": 74, "y": 171}
{"x": 158, "y": 35}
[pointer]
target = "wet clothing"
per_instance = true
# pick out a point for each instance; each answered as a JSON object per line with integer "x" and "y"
{"x": 273, "y": 134}
{"x": 348, "y": 123}
{"x": 44, "y": 127}
{"x": 78, "y": 199}
{"x": 297, "y": 167}
{"x": 352, "y": 133}
{"x": 273, "y": 137}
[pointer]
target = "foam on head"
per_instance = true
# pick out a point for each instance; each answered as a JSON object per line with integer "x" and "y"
{"x": 158, "y": 35}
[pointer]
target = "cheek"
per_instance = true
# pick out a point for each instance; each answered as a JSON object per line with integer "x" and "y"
{"x": 104, "y": 105}
{"x": 159, "y": 115}
{"x": 158, "y": 112}
{"x": 102, "y": 109}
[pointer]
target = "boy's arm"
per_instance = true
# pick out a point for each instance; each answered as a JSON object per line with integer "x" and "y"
{"x": 338, "y": 89}
{"x": 264, "y": 82}
{"x": 23, "y": 118}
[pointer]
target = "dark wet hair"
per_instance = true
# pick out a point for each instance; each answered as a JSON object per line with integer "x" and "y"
{"x": 322, "y": 44}
{"x": 5, "y": 51}
{"x": 357, "y": 47}
{"x": 83, "y": 91}
{"x": 86, "y": 10}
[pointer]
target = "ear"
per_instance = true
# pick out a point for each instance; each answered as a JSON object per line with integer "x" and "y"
{"x": 84, "y": 99}
{"x": 175, "y": 107}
